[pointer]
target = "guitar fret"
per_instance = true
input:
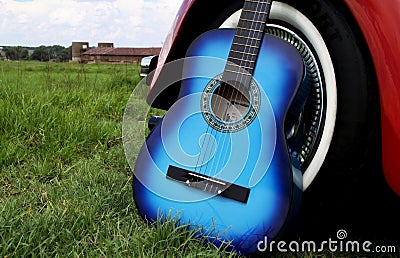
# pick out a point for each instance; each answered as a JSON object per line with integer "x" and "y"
{"x": 245, "y": 45}
{"x": 243, "y": 73}
{"x": 248, "y": 14}
{"x": 241, "y": 59}
{"x": 257, "y": 2}
{"x": 244, "y": 53}
{"x": 250, "y": 20}
{"x": 256, "y": 5}
{"x": 244, "y": 37}
{"x": 236, "y": 66}
{"x": 253, "y": 24}
{"x": 253, "y": 11}
{"x": 260, "y": 31}
{"x": 246, "y": 40}
{"x": 250, "y": 33}
{"x": 246, "y": 56}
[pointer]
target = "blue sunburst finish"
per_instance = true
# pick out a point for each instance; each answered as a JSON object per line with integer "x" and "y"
{"x": 255, "y": 157}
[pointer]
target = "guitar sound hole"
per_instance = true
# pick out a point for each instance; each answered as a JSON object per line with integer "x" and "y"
{"x": 230, "y": 107}
{"x": 230, "y": 102}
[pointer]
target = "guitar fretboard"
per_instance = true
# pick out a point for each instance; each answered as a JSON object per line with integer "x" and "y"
{"x": 247, "y": 40}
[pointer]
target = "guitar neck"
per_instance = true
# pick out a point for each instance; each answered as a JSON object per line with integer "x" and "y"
{"x": 248, "y": 38}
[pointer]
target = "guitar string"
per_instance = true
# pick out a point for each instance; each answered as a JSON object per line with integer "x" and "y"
{"x": 241, "y": 78}
{"x": 212, "y": 134}
{"x": 248, "y": 76}
{"x": 213, "y": 131}
{"x": 221, "y": 98}
{"x": 260, "y": 30}
{"x": 245, "y": 79}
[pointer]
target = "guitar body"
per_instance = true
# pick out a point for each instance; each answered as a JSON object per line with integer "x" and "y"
{"x": 255, "y": 158}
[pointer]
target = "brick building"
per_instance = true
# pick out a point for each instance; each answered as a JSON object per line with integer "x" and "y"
{"x": 108, "y": 54}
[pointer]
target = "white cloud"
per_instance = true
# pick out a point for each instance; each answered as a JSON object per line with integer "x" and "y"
{"x": 49, "y": 22}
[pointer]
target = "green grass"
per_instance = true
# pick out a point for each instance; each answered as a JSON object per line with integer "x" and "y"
{"x": 65, "y": 185}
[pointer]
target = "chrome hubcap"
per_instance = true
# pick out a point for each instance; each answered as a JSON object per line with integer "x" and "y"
{"x": 303, "y": 135}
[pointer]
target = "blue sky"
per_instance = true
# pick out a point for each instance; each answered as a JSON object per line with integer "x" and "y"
{"x": 139, "y": 23}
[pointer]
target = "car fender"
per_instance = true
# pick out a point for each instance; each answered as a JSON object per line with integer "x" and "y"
{"x": 379, "y": 21}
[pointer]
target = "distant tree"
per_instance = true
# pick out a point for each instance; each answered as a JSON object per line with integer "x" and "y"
{"x": 17, "y": 53}
{"x": 59, "y": 53}
{"x": 54, "y": 53}
{"x": 41, "y": 53}
{"x": 10, "y": 53}
{"x": 23, "y": 53}
{"x": 65, "y": 54}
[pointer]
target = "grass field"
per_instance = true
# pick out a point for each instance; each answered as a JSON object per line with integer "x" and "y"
{"x": 65, "y": 184}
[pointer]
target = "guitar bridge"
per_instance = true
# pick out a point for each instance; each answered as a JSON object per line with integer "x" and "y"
{"x": 208, "y": 184}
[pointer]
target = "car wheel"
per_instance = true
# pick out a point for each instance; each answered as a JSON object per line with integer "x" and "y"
{"x": 340, "y": 111}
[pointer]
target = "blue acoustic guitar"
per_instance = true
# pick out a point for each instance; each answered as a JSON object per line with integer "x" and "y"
{"x": 218, "y": 160}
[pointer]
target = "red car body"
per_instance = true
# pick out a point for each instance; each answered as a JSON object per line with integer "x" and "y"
{"x": 378, "y": 21}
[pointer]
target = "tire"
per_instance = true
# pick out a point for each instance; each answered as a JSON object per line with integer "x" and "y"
{"x": 346, "y": 150}
{"x": 348, "y": 84}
